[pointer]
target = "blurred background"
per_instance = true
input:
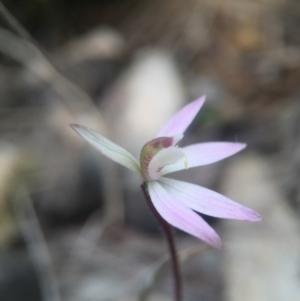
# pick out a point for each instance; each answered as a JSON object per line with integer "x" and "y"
{"x": 73, "y": 225}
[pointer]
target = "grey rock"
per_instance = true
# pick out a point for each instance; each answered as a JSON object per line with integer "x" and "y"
{"x": 145, "y": 97}
{"x": 261, "y": 260}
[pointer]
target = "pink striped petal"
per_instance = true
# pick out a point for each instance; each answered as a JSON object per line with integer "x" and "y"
{"x": 203, "y": 154}
{"x": 108, "y": 148}
{"x": 182, "y": 119}
{"x": 207, "y": 201}
{"x": 180, "y": 216}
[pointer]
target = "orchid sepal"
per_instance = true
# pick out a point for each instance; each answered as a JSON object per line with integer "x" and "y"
{"x": 182, "y": 119}
{"x": 181, "y": 216}
{"x": 203, "y": 154}
{"x": 108, "y": 148}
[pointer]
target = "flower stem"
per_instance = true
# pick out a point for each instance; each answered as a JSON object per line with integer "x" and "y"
{"x": 167, "y": 229}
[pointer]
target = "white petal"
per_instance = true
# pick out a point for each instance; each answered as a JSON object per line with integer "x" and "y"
{"x": 207, "y": 201}
{"x": 203, "y": 154}
{"x": 163, "y": 158}
{"x": 108, "y": 148}
{"x": 180, "y": 216}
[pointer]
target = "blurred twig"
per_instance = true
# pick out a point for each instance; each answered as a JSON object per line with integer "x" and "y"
{"x": 74, "y": 98}
{"x": 13, "y": 23}
{"x": 69, "y": 91}
{"x": 163, "y": 268}
{"x": 85, "y": 244}
{"x": 36, "y": 244}
{"x": 27, "y": 51}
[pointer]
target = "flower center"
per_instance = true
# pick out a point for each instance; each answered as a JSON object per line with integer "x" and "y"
{"x": 158, "y": 153}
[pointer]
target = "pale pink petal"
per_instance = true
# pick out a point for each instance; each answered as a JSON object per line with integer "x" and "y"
{"x": 207, "y": 201}
{"x": 203, "y": 154}
{"x": 180, "y": 216}
{"x": 182, "y": 119}
{"x": 108, "y": 148}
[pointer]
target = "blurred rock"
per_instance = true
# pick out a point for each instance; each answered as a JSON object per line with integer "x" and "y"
{"x": 94, "y": 60}
{"x": 102, "y": 43}
{"x": 261, "y": 259}
{"x": 144, "y": 98}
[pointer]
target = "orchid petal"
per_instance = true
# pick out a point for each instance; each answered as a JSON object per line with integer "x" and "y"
{"x": 207, "y": 201}
{"x": 182, "y": 119}
{"x": 203, "y": 154}
{"x": 163, "y": 158}
{"x": 180, "y": 216}
{"x": 108, "y": 148}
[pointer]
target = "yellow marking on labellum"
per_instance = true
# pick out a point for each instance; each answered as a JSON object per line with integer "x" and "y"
{"x": 186, "y": 163}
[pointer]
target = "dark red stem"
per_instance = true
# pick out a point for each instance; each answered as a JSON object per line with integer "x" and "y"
{"x": 167, "y": 229}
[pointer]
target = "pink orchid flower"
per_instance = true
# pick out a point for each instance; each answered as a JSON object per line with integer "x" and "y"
{"x": 175, "y": 200}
